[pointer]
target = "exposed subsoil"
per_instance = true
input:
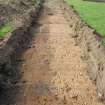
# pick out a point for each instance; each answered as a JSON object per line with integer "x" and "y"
{"x": 53, "y": 71}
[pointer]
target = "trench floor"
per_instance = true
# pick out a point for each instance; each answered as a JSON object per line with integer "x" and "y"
{"x": 53, "y": 71}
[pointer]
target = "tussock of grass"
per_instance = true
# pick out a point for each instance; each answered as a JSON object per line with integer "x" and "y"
{"x": 93, "y": 13}
{"x": 5, "y": 29}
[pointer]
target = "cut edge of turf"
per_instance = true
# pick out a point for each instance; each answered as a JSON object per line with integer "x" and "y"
{"x": 96, "y": 31}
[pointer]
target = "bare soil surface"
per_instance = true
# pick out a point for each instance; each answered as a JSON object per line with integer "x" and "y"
{"x": 53, "y": 71}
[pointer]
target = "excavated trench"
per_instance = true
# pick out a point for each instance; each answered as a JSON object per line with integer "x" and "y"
{"x": 47, "y": 62}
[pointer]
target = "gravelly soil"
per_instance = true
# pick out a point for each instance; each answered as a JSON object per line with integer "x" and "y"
{"x": 53, "y": 71}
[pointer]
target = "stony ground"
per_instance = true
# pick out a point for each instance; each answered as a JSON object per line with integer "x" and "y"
{"x": 16, "y": 12}
{"x": 53, "y": 71}
{"x": 8, "y": 8}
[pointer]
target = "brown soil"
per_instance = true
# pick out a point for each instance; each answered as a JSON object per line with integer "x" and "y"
{"x": 53, "y": 71}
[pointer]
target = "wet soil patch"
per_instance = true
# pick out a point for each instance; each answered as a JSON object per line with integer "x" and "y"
{"x": 10, "y": 58}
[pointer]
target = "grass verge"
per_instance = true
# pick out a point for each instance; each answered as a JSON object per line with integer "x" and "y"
{"x": 5, "y": 29}
{"x": 93, "y": 13}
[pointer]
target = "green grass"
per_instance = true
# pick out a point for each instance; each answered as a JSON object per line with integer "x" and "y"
{"x": 5, "y": 29}
{"x": 93, "y": 13}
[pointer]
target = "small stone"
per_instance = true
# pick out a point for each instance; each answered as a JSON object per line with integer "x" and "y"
{"x": 74, "y": 97}
{"x": 24, "y": 81}
{"x": 71, "y": 25}
{"x": 50, "y": 13}
{"x": 45, "y": 99}
{"x": 68, "y": 89}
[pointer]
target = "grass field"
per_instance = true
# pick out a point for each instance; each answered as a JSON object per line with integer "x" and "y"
{"x": 5, "y": 29}
{"x": 93, "y": 13}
